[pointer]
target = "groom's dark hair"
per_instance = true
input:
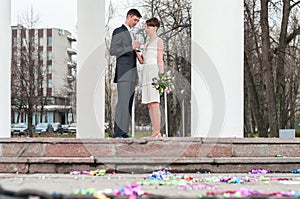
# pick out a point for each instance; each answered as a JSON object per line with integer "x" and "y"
{"x": 134, "y": 12}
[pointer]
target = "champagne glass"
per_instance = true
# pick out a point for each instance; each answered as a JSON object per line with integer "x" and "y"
{"x": 139, "y": 38}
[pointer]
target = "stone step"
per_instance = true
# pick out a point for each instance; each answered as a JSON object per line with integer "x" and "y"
{"x": 193, "y": 160}
{"x": 52, "y": 155}
{"x": 142, "y": 165}
{"x": 149, "y": 147}
{"x": 153, "y": 160}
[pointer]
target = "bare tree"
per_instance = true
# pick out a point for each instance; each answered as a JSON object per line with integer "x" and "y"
{"x": 109, "y": 73}
{"x": 271, "y": 64}
{"x": 28, "y": 71}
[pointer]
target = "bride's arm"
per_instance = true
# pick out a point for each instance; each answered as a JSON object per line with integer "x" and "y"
{"x": 160, "y": 55}
{"x": 139, "y": 57}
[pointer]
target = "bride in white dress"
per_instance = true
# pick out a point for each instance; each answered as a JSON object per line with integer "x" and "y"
{"x": 152, "y": 60}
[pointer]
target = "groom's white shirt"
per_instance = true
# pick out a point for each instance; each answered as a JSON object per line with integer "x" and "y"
{"x": 130, "y": 31}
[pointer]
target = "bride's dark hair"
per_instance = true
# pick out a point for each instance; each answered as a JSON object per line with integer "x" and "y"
{"x": 153, "y": 22}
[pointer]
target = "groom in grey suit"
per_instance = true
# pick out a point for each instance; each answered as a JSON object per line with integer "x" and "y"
{"x": 123, "y": 47}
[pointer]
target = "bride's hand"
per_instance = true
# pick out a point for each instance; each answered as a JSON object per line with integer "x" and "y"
{"x": 139, "y": 57}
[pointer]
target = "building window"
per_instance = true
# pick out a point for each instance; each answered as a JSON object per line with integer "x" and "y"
{"x": 41, "y": 41}
{"x": 14, "y": 37}
{"x": 40, "y": 91}
{"x": 49, "y": 41}
{"x": 14, "y": 41}
{"x": 49, "y": 92}
{"x": 49, "y": 69}
{"x": 14, "y": 55}
{"x": 31, "y": 35}
{"x": 41, "y": 32}
{"x": 24, "y": 42}
{"x": 14, "y": 33}
{"x": 49, "y": 83}
{"x": 40, "y": 55}
{"x": 49, "y": 55}
{"x": 23, "y": 33}
{"x": 32, "y": 41}
{"x": 33, "y": 57}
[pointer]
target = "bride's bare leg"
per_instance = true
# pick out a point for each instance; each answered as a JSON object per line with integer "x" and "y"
{"x": 150, "y": 112}
{"x": 155, "y": 115}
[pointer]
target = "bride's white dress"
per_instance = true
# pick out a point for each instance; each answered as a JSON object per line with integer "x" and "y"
{"x": 150, "y": 70}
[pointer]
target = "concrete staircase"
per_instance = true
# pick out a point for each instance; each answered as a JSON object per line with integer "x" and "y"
{"x": 217, "y": 155}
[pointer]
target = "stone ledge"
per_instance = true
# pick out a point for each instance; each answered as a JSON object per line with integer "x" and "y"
{"x": 193, "y": 160}
{"x": 199, "y": 140}
{"x": 149, "y": 147}
{"x": 62, "y": 155}
{"x": 261, "y": 160}
{"x": 142, "y": 165}
{"x": 151, "y": 160}
{"x": 48, "y": 160}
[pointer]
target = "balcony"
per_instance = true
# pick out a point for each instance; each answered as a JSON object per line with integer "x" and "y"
{"x": 71, "y": 64}
{"x": 71, "y": 38}
{"x": 70, "y": 78}
{"x": 71, "y": 51}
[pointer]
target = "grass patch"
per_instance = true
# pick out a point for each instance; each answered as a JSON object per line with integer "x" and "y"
{"x": 297, "y": 133}
{"x": 141, "y": 134}
{"x": 137, "y": 134}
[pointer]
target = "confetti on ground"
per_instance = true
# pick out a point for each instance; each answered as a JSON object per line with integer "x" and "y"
{"x": 243, "y": 192}
{"x": 160, "y": 175}
{"x": 259, "y": 171}
{"x": 131, "y": 190}
{"x": 91, "y": 173}
{"x": 186, "y": 182}
{"x": 296, "y": 171}
{"x": 91, "y": 192}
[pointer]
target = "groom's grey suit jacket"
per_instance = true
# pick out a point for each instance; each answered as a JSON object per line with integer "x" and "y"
{"x": 121, "y": 47}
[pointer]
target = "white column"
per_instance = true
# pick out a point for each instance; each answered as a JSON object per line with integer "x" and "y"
{"x": 5, "y": 56}
{"x": 91, "y": 68}
{"x": 217, "y": 68}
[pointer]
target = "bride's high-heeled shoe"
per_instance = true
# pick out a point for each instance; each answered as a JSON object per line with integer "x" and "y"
{"x": 158, "y": 135}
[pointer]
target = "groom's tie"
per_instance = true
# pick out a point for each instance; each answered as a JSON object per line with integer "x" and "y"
{"x": 131, "y": 34}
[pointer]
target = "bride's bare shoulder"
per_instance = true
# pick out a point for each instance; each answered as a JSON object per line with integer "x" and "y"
{"x": 160, "y": 42}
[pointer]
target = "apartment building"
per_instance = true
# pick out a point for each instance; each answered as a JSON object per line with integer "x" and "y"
{"x": 43, "y": 75}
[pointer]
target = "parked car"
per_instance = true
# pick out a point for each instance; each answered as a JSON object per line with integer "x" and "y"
{"x": 72, "y": 128}
{"x": 65, "y": 127}
{"x": 11, "y": 128}
{"x": 43, "y": 128}
{"x": 57, "y": 127}
{"x": 19, "y": 129}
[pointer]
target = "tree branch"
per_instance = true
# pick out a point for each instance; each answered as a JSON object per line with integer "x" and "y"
{"x": 293, "y": 35}
{"x": 295, "y": 4}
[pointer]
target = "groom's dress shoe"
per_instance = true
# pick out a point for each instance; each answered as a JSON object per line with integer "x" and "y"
{"x": 123, "y": 136}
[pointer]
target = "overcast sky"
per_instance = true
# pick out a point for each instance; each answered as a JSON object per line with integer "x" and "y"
{"x": 63, "y": 13}
{"x": 53, "y": 13}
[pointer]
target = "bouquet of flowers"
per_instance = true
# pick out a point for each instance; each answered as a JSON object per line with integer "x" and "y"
{"x": 163, "y": 83}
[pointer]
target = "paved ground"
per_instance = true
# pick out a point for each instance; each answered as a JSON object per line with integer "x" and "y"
{"x": 202, "y": 183}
